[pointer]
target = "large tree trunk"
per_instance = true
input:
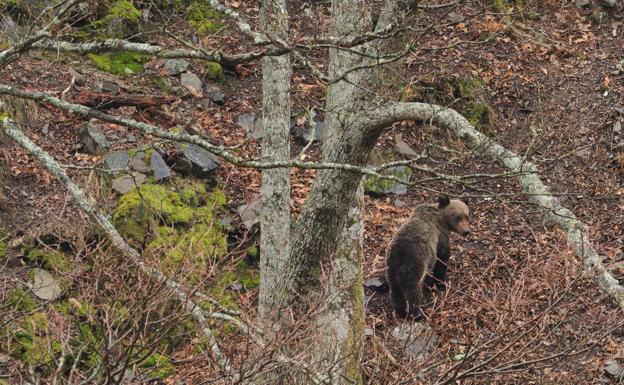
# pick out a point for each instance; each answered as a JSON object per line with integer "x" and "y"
{"x": 275, "y": 212}
{"x": 339, "y": 351}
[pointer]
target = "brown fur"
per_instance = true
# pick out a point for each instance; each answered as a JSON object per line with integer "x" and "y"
{"x": 421, "y": 247}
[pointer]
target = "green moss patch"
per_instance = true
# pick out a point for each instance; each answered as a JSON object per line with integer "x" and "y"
{"x": 159, "y": 366}
{"x": 179, "y": 225}
{"x": 49, "y": 260}
{"x": 203, "y": 18}
{"x": 21, "y": 301}
{"x": 32, "y": 343}
{"x": 214, "y": 71}
{"x": 122, "y": 63}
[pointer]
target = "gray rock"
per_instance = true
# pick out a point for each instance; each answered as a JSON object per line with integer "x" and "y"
{"x": 131, "y": 138}
{"x": 368, "y": 332}
{"x": 159, "y": 167}
{"x": 417, "y": 338}
{"x": 250, "y": 213}
{"x": 126, "y": 183}
{"x": 175, "y": 66}
{"x": 108, "y": 87}
{"x": 258, "y": 131}
{"x": 192, "y": 83}
{"x": 117, "y": 162}
{"x": 456, "y": 17}
{"x": 44, "y": 285}
{"x": 617, "y": 127}
{"x": 138, "y": 163}
{"x": 302, "y": 134}
{"x": 581, "y": 3}
{"x": 93, "y": 139}
{"x": 376, "y": 187}
{"x": 403, "y": 148}
{"x": 195, "y": 160}
{"x": 79, "y": 79}
{"x": 246, "y": 121}
{"x": 608, "y": 3}
{"x": 216, "y": 96}
{"x": 614, "y": 369}
{"x": 619, "y": 110}
{"x": 375, "y": 284}
{"x": 236, "y": 286}
{"x": 399, "y": 203}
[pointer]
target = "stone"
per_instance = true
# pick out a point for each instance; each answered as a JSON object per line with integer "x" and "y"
{"x": 581, "y": 3}
{"x": 108, "y": 87}
{"x": 403, "y": 148}
{"x": 78, "y": 78}
{"x": 250, "y": 213}
{"x": 192, "y": 159}
{"x": 614, "y": 369}
{"x": 608, "y": 3}
{"x": 258, "y": 131}
{"x": 116, "y": 162}
{"x": 175, "y": 67}
{"x": 236, "y": 286}
{"x": 215, "y": 95}
{"x": 399, "y": 203}
{"x": 131, "y": 138}
{"x": 368, "y": 332}
{"x": 375, "y": 284}
{"x": 138, "y": 163}
{"x": 126, "y": 183}
{"x": 302, "y": 134}
{"x": 377, "y": 187}
{"x": 619, "y": 110}
{"x": 417, "y": 338}
{"x": 44, "y": 285}
{"x": 93, "y": 139}
{"x": 192, "y": 83}
{"x": 246, "y": 121}
{"x": 617, "y": 127}
{"x": 159, "y": 167}
{"x": 456, "y": 17}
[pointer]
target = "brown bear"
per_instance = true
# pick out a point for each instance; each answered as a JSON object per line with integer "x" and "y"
{"x": 418, "y": 253}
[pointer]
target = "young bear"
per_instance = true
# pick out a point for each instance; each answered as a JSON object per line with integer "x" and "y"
{"x": 421, "y": 247}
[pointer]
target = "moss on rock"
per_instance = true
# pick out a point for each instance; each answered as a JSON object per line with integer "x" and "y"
{"x": 203, "y": 18}
{"x": 178, "y": 223}
{"x": 121, "y": 63}
{"x": 32, "y": 343}
{"x": 214, "y": 71}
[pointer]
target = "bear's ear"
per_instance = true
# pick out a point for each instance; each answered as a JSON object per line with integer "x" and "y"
{"x": 443, "y": 201}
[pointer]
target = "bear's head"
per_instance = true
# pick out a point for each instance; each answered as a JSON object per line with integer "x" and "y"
{"x": 454, "y": 215}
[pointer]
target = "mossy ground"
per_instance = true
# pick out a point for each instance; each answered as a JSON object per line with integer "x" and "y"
{"x": 179, "y": 225}
{"x": 49, "y": 260}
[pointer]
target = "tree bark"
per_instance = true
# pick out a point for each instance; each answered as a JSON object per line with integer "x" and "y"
{"x": 275, "y": 194}
{"x": 340, "y": 348}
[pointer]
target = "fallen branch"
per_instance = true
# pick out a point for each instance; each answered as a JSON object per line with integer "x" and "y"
{"x": 528, "y": 177}
{"x": 158, "y": 51}
{"x": 103, "y": 101}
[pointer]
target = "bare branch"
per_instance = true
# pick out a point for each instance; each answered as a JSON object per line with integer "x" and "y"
{"x": 158, "y": 51}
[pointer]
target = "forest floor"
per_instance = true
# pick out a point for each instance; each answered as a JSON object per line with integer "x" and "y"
{"x": 553, "y": 84}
